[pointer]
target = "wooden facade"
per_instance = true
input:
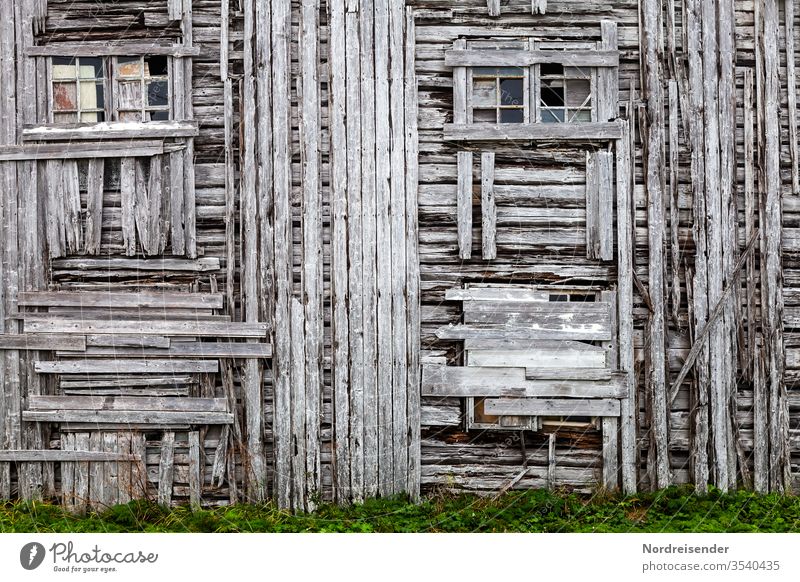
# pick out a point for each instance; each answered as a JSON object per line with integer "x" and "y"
{"x": 327, "y": 250}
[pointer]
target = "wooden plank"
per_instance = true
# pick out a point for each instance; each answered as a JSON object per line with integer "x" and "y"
{"x": 96, "y": 469}
{"x": 44, "y": 324}
{"x": 538, "y": 312}
{"x": 605, "y": 207}
{"x": 111, "y": 131}
{"x": 540, "y": 357}
{"x": 460, "y": 87}
{"x": 84, "y": 150}
{"x": 124, "y": 487}
{"x": 138, "y": 467}
{"x": 155, "y": 264}
{"x": 61, "y": 456}
{"x": 595, "y": 131}
{"x": 494, "y": 7}
{"x": 526, "y": 58}
{"x": 120, "y": 366}
{"x": 166, "y": 469}
{"x": 186, "y": 350}
{"x": 142, "y": 299}
{"x": 610, "y": 453}
{"x": 110, "y": 471}
{"x": 550, "y": 407}
{"x": 488, "y": 207}
{"x": 298, "y": 407}
{"x": 471, "y": 381}
{"x": 102, "y": 48}
{"x": 588, "y": 332}
{"x": 32, "y": 342}
{"x": 56, "y": 237}
{"x": 124, "y": 341}
{"x": 127, "y": 417}
{"x": 538, "y": 6}
{"x": 127, "y": 403}
{"x": 499, "y": 294}
{"x": 791, "y": 94}
{"x": 68, "y": 473}
{"x": 94, "y": 205}
{"x": 464, "y": 201}
{"x": 608, "y": 77}
{"x": 128, "y": 204}
{"x": 195, "y": 470}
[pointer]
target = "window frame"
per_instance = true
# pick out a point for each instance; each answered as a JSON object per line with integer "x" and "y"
{"x": 111, "y": 89}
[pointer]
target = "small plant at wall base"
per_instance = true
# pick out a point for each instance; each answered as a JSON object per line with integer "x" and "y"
{"x": 675, "y": 509}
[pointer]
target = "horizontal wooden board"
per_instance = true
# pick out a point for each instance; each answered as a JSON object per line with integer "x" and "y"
{"x": 551, "y": 407}
{"x": 54, "y": 455}
{"x": 122, "y": 264}
{"x": 120, "y": 366}
{"x": 98, "y": 382}
{"x": 148, "y": 299}
{"x": 478, "y": 381}
{"x": 127, "y": 417}
{"x": 122, "y": 49}
{"x": 110, "y": 130}
{"x": 556, "y": 331}
{"x": 127, "y": 341}
{"x": 509, "y": 294}
{"x": 188, "y": 350}
{"x": 42, "y": 341}
{"x": 39, "y": 324}
{"x": 138, "y": 403}
{"x": 84, "y": 150}
{"x": 595, "y": 131}
{"x": 524, "y": 58}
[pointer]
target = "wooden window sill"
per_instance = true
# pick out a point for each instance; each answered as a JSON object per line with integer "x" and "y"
{"x": 110, "y": 131}
{"x": 602, "y": 131}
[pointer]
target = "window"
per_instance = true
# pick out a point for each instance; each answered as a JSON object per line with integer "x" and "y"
{"x": 565, "y": 94}
{"x": 96, "y": 89}
{"x": 498, "y": 94}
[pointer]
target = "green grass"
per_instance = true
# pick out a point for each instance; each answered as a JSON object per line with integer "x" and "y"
{"x": 673, "y": 510}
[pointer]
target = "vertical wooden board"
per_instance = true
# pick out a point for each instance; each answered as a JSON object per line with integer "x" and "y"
{"x": 340, "y": 153}
{"x": 628, "y": 407}
{"x": 128, "y": 204}
{"x": 282, "y": 363}
{"x": 81, "y": 474}
{"x": 610, "y": 453}
{"x": 460, "y": 87}
{"x": 72, "y": 207}
{"x": 464, "y": 203}
{"x": 605, "y": 207}
{"x": 369, "y": 248}
{"x": 494, "y": 7}
{"x": 189, "y": 205}
{"x": 96, "y": 473}
{"x": 195, "y": 469}
{"x": 252, "y": 382}
{"x": 142, "y": 206}
{"x": 177, "y": 234}
{"x": 398, "y": 233}
{"x": 111, "y": 470}
{"x": 68, "y": 473}
{"x": 551, "y": 460}
{"x": 155, "y": 190}
{"x": 94, "y": 206}
{"x": 538, "y": 6}
{"x": 298, "y": 407}
{"x": 593, "y": 186}
{"x": 412, "y": 259}
{"x": 608, "y": 77}
{"x": 488, "y": 207}
{"x": 383, "y": 230}
{"x": 230, "y": 199}
{"x": 791, "y": 93}
{"x": 166, "y": 468}
{"x": 56, "y": 234}
{"x": 674, "y": 168}
{"x": 312, "y": 239}
{"x": 124, "y": 484}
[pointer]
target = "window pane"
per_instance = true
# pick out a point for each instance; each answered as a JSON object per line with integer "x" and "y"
{"x": 63, "y": 68}
{"x": 159, "y": 116}
{"x": 581, "y": 116}
{"x": 89, "y": 96}
{"x": 484, "y": 116}
{"x": 65, "y": 96}
{"x": 578, "y": 92}
{"x": 551, "y": 70}
{"x": 553, "y": 94}
{"x": 578, "y": 73}
{"x": 128, "y": 67}
{"x": 157, "y": 93}
{"x": 156, "y": 66}
{"x": 552, "y": 115}
{"x": 93, "y": 117}
{"x": 91, "y": 68}
{"x": 511, "y": 116}
{"x": 484, "y": 93}
{"x": 511, "y": 92}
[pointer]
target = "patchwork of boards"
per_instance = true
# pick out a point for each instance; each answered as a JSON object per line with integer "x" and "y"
{"x": 531, "y": 353}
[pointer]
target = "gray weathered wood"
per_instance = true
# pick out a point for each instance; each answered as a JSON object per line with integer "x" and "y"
{"x": 550, "y": 407}
{"x": 126, "y": 403}
{"x": 133, "y": 148}
{"x": 195, "y": 470}
{"x": 610, "y": 453}
{"x": 522, "y": 58}
{"x": 111, "y": 131}
{"x": 128, "y": 417}
{"x": 55, "y": 455}
{"x": 166, "y": 468}
{"x": 595, "y": 131}
{"x": 103, "y": 48}
{"x": 464, "y": 205}
{"x": 488, "y": 208}
{"x": 43, "y": 324}
{"x": 106, "y": 366}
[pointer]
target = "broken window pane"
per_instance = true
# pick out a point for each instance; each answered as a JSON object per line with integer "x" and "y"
{"x": 157, "y": 93}
{"x": 484, "y": 93}
{"x": 156, "y": 65}
{"x": 128, "y": 67}
{"x": 65, "y": 97}
{"x": 484, "y": 116}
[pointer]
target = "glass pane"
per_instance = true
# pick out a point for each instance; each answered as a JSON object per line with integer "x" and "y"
{"x": 553, "y": 94}
{"x": 89, "y": 96}
{"x": 578, "y": 73}
{"x": 511, "y": 116}
{"x": 511, "y": 92}
{"x": 484, "y": 93}
{"x": 92, "y": 117}
{"x": 65, "y": 118}
{"x": 581, "y": 116}
{"x": 551, "y": 70}
{"x": 159, "y": 116}
{"x": 157, "y": 93}
{"x": 129, "y": 67}
{"x": 130, "y": 115}
{"x": 91, "y": 68}
{"x": 63, "y": 68}
{"x": 130, "y": 95}
{"x": 578, "y": 92}
{"x": 552, "y": 115}
{"x": 65, "y": 96}
{"x": 484, "y": 116}
{"x": 156, "y": 66}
